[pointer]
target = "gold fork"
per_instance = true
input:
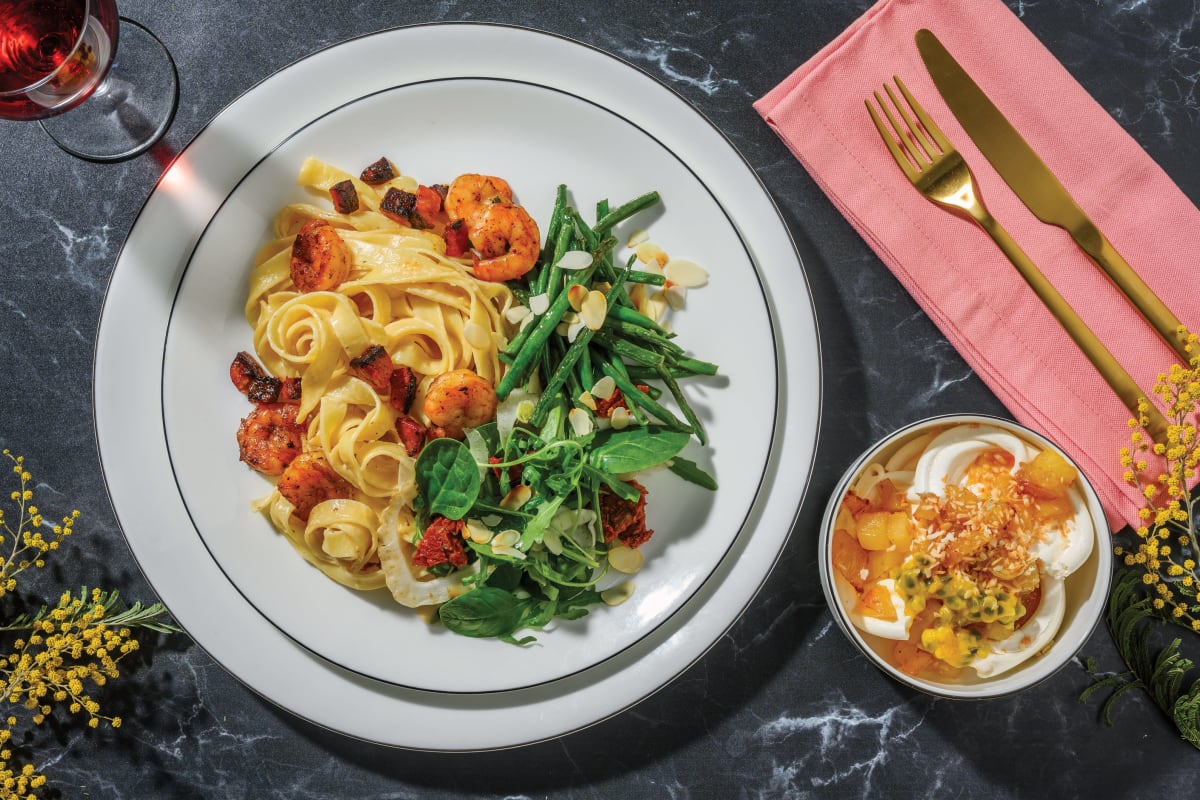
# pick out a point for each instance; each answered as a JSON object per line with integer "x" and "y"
{"x": 940, "y": 173}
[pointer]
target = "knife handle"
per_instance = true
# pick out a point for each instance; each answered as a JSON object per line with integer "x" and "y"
{"x": 1134, "y": 288}
{"x": 1113, "y": 373}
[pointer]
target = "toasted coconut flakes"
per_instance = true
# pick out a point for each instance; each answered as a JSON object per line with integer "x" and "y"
{"x": 685, "y": 272}
{"x": 575, "y": 259}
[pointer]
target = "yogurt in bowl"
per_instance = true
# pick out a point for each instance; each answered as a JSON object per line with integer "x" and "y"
{"x": 966, "y": 555}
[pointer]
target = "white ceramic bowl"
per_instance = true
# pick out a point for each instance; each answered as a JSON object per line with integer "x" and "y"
{"x": 1086, "y": 588}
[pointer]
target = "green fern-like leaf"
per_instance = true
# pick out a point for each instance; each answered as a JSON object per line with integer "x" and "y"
{"x": 1132, "y": 620}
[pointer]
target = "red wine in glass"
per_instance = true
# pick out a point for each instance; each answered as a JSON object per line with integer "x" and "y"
{"x": 56, "y": 54}
{"x": 53, "y": 54}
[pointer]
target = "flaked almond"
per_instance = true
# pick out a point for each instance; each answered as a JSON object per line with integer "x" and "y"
{"x": 573, "y": 330}
{"x": 619, "y": 418}
{"x": 685, "y": 272}
{"x": 517, "y": 314}
{"x": 674, "y": 295}
{"x": 637, "y": 237}
{"x": 552, "y": 540}
{"x": 477, "y": 336}
{"x": 618, "y": 594}
{"x": 588, "y": 399}
{"x": 594, "y": 310}
{"x": 576, "y": 295}
{"x": 604, "y": 387}
{"x": 625, "y": 559}
{"x": 539, "y": 303}
{"x": 506, "y": 538}
{"x": 581, "y": 421}
{"x": 517, "y": 496}
{"x": 511, "y": 552}
{"x": 477, "y": 531}
{"x": 650, "y": 253}
{"x": 575, "y": 259}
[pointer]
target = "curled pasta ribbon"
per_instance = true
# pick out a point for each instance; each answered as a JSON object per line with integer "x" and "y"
{"x": 340, "y": 539}
{"x": 313, "y": 334}
{"x": 355, "y": 429}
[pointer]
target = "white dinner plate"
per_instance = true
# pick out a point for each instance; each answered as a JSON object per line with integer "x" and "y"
{"x": 175, "y": 300}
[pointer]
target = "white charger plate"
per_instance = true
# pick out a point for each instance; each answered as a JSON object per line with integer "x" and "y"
{"x": 166, "y": 439}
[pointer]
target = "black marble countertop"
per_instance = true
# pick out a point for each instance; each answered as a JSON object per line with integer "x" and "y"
{"x": 782, "y": 706}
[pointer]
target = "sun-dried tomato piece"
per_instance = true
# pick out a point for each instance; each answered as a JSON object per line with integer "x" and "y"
{"x": 374, "y": 366}
{"x": 398, "y": 205}
{"x": 403, "y": 386}
{"x": 244, "y": 370}
{"x": 256, "y": 383}
{"x": 458, "y": 241}
{"x": 441, "y": 544}
{"x": 344, "y": 196}
{"x": 428, "y": 206}
{"x": 378, "y": 172}
{"x": 625, "y": 519}
{"x": 412, "y": 434}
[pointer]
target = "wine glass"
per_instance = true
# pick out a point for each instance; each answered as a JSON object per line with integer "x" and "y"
{"x": 55, "y": 54}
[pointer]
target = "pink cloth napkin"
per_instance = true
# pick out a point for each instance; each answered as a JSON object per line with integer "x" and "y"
{"x": 952, "y": 268}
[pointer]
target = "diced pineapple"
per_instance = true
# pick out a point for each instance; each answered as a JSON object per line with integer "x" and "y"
{"x": 876, "y": 601}
{"x": 873, "y": 530}
{"x": 910, "y": 659}
{"x": 884, "y": 563}
{"x": 900, "y": 530}
{"x": 849, "y": 558}
{"x": 1048, "y": 475}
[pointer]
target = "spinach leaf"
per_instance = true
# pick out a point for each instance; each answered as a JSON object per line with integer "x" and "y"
{"x": 483, "y": 613}
{"x": 447, "y": 478}
{"x": 637, "y": 448}
{"x": 691, "y": 471}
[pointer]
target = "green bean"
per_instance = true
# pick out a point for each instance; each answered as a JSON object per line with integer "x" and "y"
{"x": 554, "y": 382}
{"x": 635, "y": 395}
{"x": 650, "y": 278}
{"x": 642, "y": 336}
{"x": 632, "y": 316}
{"x": 696, "y": 366}
{"x": 684, "y": 405}
{"x": 628, "y": 350}
{"x": 623, "y": 212}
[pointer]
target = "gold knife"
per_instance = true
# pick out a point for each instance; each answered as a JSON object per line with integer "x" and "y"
{"x": 1036, "y": 185}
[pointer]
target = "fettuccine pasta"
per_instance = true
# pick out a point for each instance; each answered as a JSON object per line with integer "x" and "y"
{"x": 428, "y": 313}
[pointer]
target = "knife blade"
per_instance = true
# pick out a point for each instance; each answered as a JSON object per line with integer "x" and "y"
{"x": 1037, "y": 187}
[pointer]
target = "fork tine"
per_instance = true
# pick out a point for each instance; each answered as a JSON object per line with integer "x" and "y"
{"x": 898, "y": 148}
{"x": 927, "y": 123}
{"x": 920, "y": 137}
